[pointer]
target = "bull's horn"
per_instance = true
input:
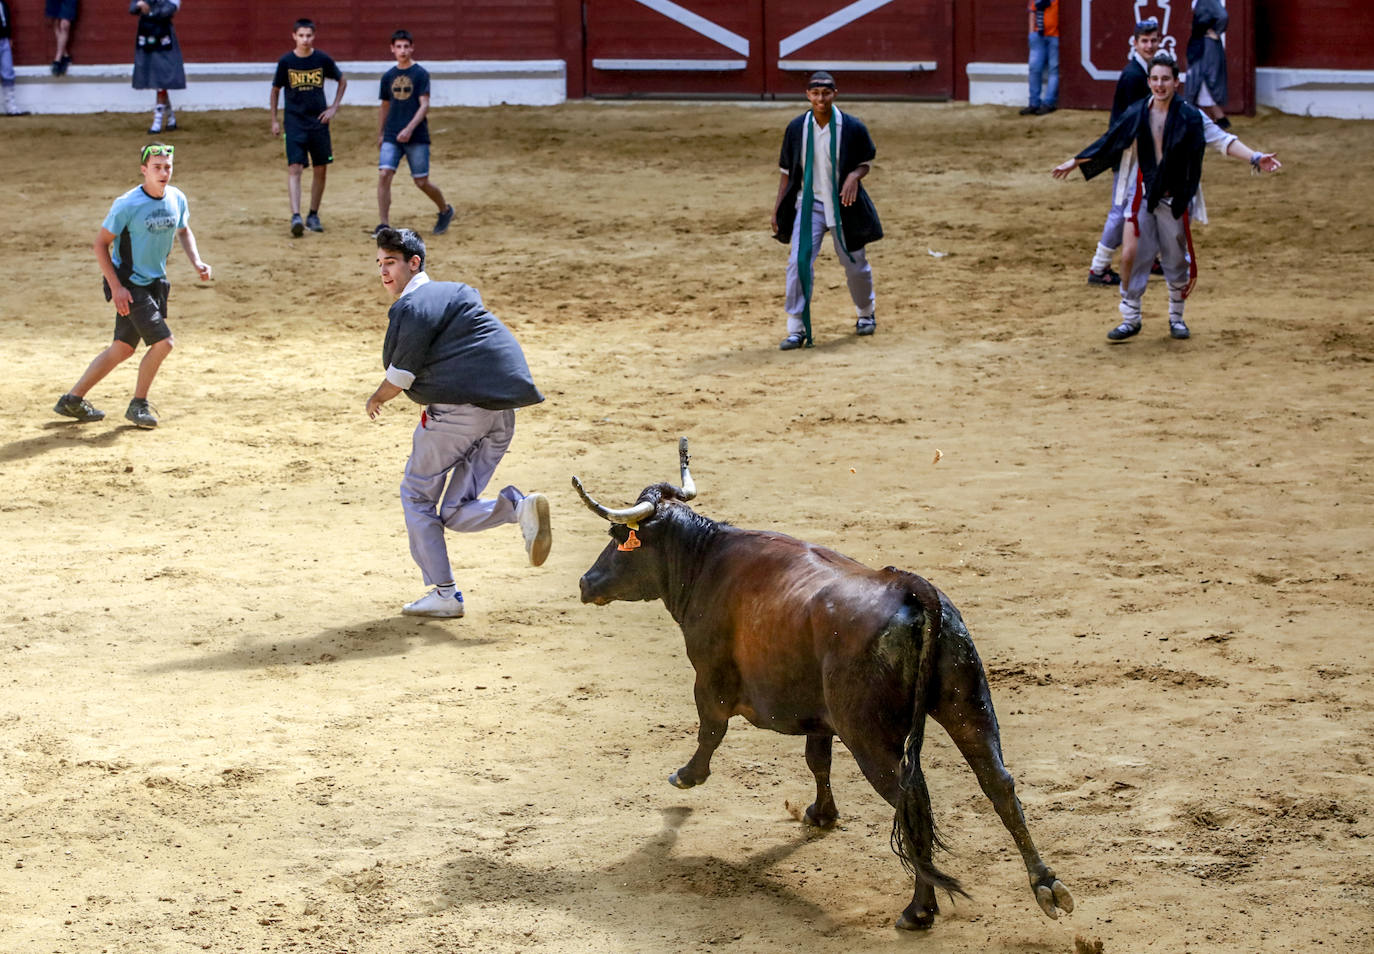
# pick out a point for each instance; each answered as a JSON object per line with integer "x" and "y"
{"x": 689, "y": 488}
{"x": 638, "y": 512}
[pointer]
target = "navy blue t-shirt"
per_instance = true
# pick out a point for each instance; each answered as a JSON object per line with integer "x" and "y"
{"x": 302, "y": 77}
{"x": 404, "y": 87}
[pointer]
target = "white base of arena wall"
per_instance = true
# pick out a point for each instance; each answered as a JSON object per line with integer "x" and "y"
{"x": 99, "y": 89}
{"x": 1342, "y": 94}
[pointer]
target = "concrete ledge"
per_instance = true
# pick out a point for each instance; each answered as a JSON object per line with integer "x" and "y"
{"x": 106, "y": 87}
{"x": 1343, "y": 94}
{"x": 998, "y": 84}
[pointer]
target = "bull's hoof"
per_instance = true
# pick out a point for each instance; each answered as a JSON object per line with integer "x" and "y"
{"x": 1053, "y": 897}
{"x": 919, "y": 921}
{"x": 820, "y": 819}
{"x": 679, "y": 780}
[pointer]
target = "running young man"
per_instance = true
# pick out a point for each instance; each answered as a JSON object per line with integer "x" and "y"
{"x": 402, "y": 128}
{"x": 142, "y": 224}
{"x": 1169, "y": 137}
{"x": 451, "y": 355}
{"x": 302, "y": 73}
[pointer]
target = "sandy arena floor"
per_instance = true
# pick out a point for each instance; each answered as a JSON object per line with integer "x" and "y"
{"x": 217, "y": 734}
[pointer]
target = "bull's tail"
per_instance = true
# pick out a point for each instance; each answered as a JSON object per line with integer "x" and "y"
{"x": 914, "y": 833}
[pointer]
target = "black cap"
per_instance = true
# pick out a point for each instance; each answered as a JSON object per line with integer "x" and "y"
{"x": 820, "y": 78}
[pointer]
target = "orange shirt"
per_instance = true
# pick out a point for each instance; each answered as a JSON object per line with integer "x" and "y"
{"x": 1051, "y": 17}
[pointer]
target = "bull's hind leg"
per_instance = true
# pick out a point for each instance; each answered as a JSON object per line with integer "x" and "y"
{"x": 876, "y": 740}
{"x": 822, "y": 812}
{"x": 713, "y": 715}
{"x": 963, "y": 706}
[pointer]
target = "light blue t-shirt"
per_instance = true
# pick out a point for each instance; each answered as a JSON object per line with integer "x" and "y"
{"x": 152, "y": 226}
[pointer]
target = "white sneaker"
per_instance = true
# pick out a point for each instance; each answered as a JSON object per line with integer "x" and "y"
{"x": 533, "y": 513}
{"x": 435, "y": 606}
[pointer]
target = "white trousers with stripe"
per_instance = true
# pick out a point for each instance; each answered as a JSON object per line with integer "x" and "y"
{"x": 857, "y": 273}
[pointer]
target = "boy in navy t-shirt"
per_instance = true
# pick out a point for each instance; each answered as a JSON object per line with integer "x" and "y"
{"x": 302, "y": 73}
{"x": 403, "y": 129}
{"x": 142, "y": 226}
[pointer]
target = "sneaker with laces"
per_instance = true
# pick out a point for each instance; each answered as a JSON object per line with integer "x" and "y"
{"x": 866, "y": 326}
{"x": 1029, "y": 111}
{"x": 1104, "y": 277}
{"x": 312, "y": 222}
{"x": 532, "y": 512}
{"x": 435, "y": 606}
{"x": 1177, "y": 329}
{"x": 792, "y": 342}
{"x": 140, "y": 412}
{"x": 69, "y": 405}
{"x": 1123, "y": 331}
{"x": 441, "y": 223}
{"x": 297, "y": 225}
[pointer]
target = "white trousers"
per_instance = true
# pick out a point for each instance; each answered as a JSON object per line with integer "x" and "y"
{"x": 454, "y": 452}
{"x": 857, "y": 273}
{"x": 1162, "y": 234}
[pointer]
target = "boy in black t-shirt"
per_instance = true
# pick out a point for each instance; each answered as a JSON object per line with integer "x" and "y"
{"x": 402, "y": 128}
{"x": 302, "y": 73}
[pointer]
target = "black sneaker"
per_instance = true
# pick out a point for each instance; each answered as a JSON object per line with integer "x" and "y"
{"x": 792, "y": 342}
{"x": 1177, "y": 329}
{"x": 1104, "y": 277}
{"x": 69, "y": 405}
{"x": 1046, "y": 110}
{"x": 312, "y": 222}
{"x": 441, "y": 223}
{"x": 141, "y": 413}
{"x": 1123, "y": 331}
{"x": 1029, "y": 111}
{"x": 866, "y": 326}
{"x": 297, "y": 225}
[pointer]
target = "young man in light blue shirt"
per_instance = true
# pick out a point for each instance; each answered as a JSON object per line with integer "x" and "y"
{"x": 143, "y": 223}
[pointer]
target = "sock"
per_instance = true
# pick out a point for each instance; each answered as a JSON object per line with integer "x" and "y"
{"x": 1102, "y": 259}
{"x": 314, "y": 211}
{"x": 446, "y": 590}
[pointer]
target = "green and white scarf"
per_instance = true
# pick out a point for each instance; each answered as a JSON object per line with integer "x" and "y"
{"x": 804, "y": 268}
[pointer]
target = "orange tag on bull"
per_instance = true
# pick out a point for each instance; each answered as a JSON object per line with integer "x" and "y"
{"x": 631, "y": 543}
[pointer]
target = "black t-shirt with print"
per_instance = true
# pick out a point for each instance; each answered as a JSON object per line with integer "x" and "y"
{"x": 404, "y": 87}
{"x": 302, "y": 78}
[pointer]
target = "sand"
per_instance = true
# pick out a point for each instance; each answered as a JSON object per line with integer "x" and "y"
{"x": 217, "y": 733}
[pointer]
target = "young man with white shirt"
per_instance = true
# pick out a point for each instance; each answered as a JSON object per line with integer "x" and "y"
{"x": 825, "y": 154}
{"x": 1167, "y": 137}
{"x": 456, "y": 359}
{"x": 1131, "y": 87}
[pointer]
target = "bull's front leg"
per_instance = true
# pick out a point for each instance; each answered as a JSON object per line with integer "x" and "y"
{"x": 713, "y": 710}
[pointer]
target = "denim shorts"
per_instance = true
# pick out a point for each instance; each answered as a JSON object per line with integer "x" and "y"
{"x": 416, "y": 153}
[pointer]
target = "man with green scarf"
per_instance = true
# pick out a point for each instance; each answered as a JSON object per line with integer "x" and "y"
{"x": 824, "y": 155}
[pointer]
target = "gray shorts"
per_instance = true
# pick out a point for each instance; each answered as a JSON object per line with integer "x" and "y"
{"x": 147, "y": 317}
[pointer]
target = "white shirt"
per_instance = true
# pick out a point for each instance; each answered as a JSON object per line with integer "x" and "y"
{"x": 823, "y": 184}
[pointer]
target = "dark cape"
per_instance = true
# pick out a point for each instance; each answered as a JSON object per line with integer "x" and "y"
{"x": 859, "y": 221}
{"x": 1206, "y": 56}
{"x": 157, "y": 52}
{"x": 1172, "y": 178}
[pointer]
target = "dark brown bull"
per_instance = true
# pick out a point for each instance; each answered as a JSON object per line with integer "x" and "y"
{"x": 802, "y": 640}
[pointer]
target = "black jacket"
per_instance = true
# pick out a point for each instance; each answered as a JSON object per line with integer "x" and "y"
{"x": 1132, "y": 87}
{"x": 858, "y": 221}
{"x": 1176, "y": 174}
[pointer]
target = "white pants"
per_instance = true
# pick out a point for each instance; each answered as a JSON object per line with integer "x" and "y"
{"x": 460, "y": 445}
{"x": 1162, "y": 234}
{"x": 857, "y": 273}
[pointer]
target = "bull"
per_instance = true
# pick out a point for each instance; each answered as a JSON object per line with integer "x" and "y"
{"x": 805, "y": 641}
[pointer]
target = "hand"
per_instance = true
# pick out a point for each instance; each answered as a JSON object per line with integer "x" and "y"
{"x": 276, "y": 127}
{"x": 203, "y": 270}
{"x": 1062, "y": 170}
{"x": 328, "y": 114}
{"x": 850, "y": 190}
{"x": 374, "y": 407}
{"x": 775, "y": 223}
{"x": 381, "y": 138}
{"x": 143, "y": 6}
{"x": 121, "y": 297}
{"x": 1268, "y": 163}
{"x": 403, "y": 136}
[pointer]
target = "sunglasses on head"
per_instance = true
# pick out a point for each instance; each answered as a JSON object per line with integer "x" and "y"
{"x": 157, "y": 150}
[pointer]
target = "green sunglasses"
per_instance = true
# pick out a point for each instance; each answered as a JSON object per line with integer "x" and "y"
{"x": 157, "y": 150}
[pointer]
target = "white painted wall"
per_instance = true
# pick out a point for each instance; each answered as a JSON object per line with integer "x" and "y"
{"x": 95, "y": 89}
{"x": 1343, "y": 94}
